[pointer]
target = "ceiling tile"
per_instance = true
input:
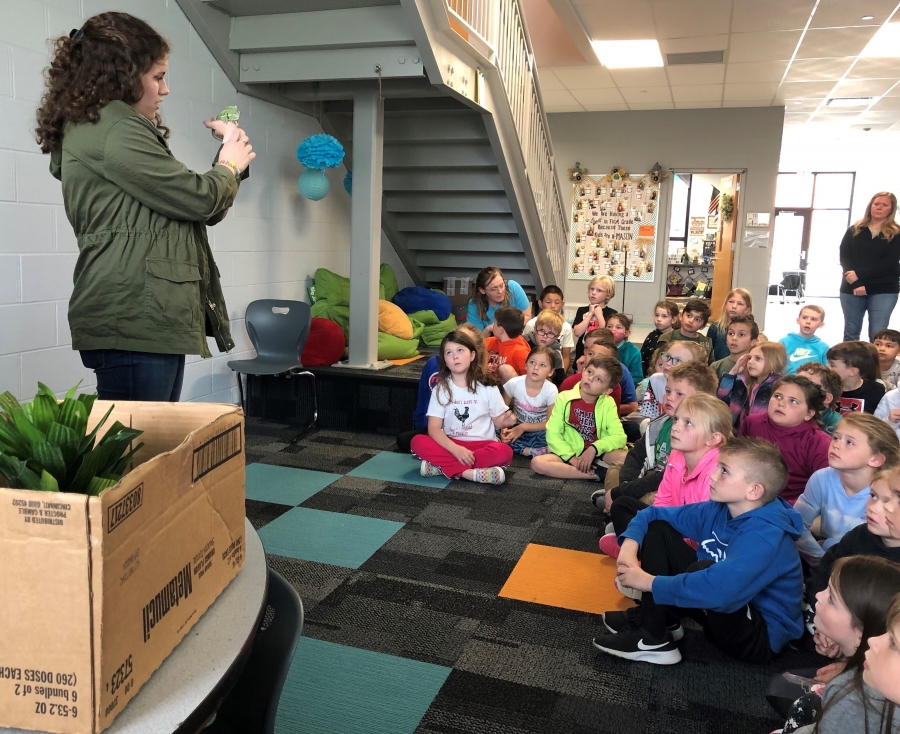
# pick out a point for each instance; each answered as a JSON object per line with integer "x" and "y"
{"x": 880, "y": 116}
{"x": 886, "y": 103}
{"x": 549, "y": 81}
{"x": 805, "y": 90}
{"x": 696, "y": 74}
{"x": 605, "y": 21}
{"x": 770, "y": 15}
{"x": 750, "y": 91}
{"x": 696, "y": 105}
{"x": 802, "y": 105}
{"x": 822, "y": 42}
{"x": 646, "y": 94}
{"x": 747, "y": 103}
{"x": 755, "y": 72}
{"x": 559, "y": 98}
{"x": 563, "y": 108}
{"x": 863, "y": 87}
{"x": 698, "y": 93}
{"x": 606, "y": 107}
{"x": 655, "y": 77}
{"x": 652, "y": 106}
{"x": 839, "y": 13}
{"x": 690, "y": 18}
{"x": 814, "y": 70}
{"x": 874, "y": 69}
{"x": 768, "y": 46}
{"x": 792, "y": 120}
{"x": 597, "y": 96}
{"x": 593, "y": 77}
{"x": 693, "y": 43}
{"x": 868, "y": 127}
{"x": 893, "y": 92}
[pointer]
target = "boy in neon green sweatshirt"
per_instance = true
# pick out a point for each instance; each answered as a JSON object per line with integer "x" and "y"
{"x": 584, "y": 430}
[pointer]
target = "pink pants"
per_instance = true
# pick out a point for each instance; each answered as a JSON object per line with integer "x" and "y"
{"x": 487, "y": 454}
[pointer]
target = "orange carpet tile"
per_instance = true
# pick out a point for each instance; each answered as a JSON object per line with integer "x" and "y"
{"x": 565, "y": 578}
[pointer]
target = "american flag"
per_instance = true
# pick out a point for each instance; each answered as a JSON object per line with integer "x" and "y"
{"x": 714, "y": 204}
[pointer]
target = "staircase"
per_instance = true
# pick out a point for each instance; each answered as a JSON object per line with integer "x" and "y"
{"x": 468, "y": 172}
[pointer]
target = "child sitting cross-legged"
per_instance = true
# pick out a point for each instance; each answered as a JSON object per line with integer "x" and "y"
{"x": 804, "y": 346}
{"x": 839, "y": 493}
{"x": 858, "y": 369}
{"x": 830, "y": 382}
{"x": 743, "y": 583}
{"x": 693, "y": 318}
{"x": 551, "y": 299}
{"x": 790, "y": 423}
{"x": 601, "y": 290}
{"x": 532, "y": 397}
{"x": 740, "y": 338}
{"x": 462, "y": 415}
{"x": 506, "y": 349}
{"x": 738, "y": 302}
{"x": 701, "y": 424}
{"x": 665, "y": 319}
{"x": 584, "y": 431}
{"x": 670, "y": 356}
{"x": 629, "y": 355}
{"x": 747, "y": 387}
{"x": 600, "y": 343}
{"x": 547, "y": 331}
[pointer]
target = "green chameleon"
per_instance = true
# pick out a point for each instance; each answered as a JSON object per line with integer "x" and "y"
{"x": 229, "y": 114}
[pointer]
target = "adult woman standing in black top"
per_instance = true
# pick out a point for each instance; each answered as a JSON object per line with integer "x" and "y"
{"x": 870, "y": 259}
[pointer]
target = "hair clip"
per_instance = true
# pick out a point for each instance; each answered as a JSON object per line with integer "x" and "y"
{"x": 76, "y": 34}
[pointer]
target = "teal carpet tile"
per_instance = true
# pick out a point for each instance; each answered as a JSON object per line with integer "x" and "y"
{"x": 326, "y": 537}
{"x": 284, "y": 485}
{"x": 336, "y": 689}
{"x": 403, "y": 468}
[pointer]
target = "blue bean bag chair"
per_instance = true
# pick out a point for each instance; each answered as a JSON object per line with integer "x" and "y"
{"x": 418, "y": 298}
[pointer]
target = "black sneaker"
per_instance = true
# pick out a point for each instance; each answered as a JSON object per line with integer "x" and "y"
{"x": 628, "y": 621}
{"x": 598, "y": 498}
{"x": 638, "y": 646}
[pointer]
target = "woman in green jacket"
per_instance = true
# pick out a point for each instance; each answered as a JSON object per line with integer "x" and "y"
{"x": 147, "y": 290}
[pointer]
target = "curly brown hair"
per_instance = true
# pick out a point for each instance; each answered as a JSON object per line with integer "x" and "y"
{"x": 101, "y": 63}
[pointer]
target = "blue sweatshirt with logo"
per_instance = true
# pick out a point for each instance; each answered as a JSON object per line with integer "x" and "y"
{"x": 427, "y": 381}
{"x": 756, "y": 562}
{"x": 800, "y": 350}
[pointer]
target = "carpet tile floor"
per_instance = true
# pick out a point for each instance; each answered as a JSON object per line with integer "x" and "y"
{"x": 464, "y": 608}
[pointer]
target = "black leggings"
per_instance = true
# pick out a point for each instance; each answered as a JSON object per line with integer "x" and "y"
{"x": 741, "y": 633}
{"x": 623, "y": 511}
{"x": 404, "y": 440}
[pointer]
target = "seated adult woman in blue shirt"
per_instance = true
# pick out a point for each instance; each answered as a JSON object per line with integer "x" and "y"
{"x": 870, "y": 259}
{"x": 492, "y": 292}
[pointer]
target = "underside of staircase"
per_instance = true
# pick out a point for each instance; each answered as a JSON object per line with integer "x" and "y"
{"x": 458, "y": 193}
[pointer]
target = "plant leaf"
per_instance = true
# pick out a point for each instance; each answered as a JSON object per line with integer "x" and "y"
{"x": 121, "y": 465}
{"x": 87, "y": 399}
{"x": 72, "y": 390}
{"x": 29, "y": 433}
{"x": 73, "y": 414}
{"x": 44, "y": 412}
{"x": 88, "y": 443}
{"x": 12, "y": 438}
{"x": 98, "y": 484}
{"x": 50, "y": 458}
{"x": 9, "y": 403}
{"x": 67, "y": 441}
{"x": 17, "y": 473}
{"x": 48, "y": 482}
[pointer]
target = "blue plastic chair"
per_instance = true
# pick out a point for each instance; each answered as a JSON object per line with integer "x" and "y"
{"x": 278, "y": 331}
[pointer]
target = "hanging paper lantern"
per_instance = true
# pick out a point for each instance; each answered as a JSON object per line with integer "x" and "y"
{"x": 313, "y": 184}
{"x": 348, "y": 183}
{"x": 320, "y": 151}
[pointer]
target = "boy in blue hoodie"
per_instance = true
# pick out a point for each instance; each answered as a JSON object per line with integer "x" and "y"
{"x": 805, "y": 346}
{"x": 744, "y": 582}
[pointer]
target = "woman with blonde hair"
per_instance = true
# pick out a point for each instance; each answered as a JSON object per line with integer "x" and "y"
{"x": 492, "y": 292}
{"x": 870, "y": 260}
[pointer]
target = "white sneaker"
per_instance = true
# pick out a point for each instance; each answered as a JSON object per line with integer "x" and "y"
{"x": 629, "y": 592}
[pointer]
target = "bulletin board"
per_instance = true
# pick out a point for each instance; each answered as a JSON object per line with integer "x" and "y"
{"x": 614, "y": 227}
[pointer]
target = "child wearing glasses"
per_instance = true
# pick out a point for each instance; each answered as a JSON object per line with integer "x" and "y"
{"x": 547, "y": 332}
{"x": 652, "y": 390}
{"x": 551, "y": 299}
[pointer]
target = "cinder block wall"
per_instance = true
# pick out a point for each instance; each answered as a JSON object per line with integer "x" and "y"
{"x": 268, "y": 246}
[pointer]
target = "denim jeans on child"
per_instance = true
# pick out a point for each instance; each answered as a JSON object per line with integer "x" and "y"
{"x": 879, "y": 306}
{"x": 123, "y": 375}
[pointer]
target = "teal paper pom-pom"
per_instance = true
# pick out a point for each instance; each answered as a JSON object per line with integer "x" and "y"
{"x": 313, "y": 184}
{"x": 348, "y": 183}
{"x": 320, "y": 151}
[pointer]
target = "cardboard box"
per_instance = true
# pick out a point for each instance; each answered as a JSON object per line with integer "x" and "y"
{"x": 459, "y": 290}
{"x": 97, "y": 591}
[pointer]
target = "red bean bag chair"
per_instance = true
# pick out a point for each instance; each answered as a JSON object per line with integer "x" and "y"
{"x": 325, "y": 345}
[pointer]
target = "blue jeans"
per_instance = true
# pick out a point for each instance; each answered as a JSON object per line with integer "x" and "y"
{"x": 123, "y": 375}
{"x": 879, "y": 306}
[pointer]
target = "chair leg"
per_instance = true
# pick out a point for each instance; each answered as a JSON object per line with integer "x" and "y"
{"x": 302, "y": 433}
{"x": 241, "y": 392}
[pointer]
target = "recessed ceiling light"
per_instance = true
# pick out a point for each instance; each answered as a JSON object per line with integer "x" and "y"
{"x": 868, "y": 17}
{"x": 849, "y": 102}
{"x": 628, "y": 54}
{"x": 885, "y": 43}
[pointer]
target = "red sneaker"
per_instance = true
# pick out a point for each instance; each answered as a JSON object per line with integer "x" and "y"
{"x": 609, "y": 545}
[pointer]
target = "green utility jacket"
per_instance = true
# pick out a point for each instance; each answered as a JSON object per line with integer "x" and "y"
{"x": 145, "y": 280}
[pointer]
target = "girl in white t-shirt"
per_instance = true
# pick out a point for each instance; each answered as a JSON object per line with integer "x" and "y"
{"x": 532, "y": 396}
{"x": 462, "y": 417}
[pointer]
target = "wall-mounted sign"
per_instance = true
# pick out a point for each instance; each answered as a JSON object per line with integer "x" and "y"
{"x": 758, "y": 219}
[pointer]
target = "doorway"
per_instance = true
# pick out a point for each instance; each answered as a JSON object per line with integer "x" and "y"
{"x": 812, "y": 211}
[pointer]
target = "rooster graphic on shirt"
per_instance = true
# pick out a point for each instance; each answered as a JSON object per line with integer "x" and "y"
{"x": 461, "y": 417}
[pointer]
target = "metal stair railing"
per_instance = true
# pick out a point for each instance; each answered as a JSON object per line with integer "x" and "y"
{"x": 500, "y": 24}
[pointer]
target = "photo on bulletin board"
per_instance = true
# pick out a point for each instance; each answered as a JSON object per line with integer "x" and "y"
{"x": 613, "y": 230}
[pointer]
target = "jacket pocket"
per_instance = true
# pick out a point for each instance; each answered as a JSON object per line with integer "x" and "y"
{"x": 172, "y": 294}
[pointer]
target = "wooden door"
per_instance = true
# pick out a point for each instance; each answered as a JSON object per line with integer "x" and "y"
{"x": 725, "y": 241}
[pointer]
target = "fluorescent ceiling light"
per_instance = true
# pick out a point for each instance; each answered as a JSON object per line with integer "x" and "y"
{"x": 885, "y": 43}
{"x": 868, "y": 17}
{"x": 849, "y": 101}
{"x": 628, "y": 54}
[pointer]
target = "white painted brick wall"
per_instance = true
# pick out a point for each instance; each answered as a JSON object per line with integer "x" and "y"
{"x": 269, "y": 246}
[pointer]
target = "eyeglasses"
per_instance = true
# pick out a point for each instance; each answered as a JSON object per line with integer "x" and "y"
{"x": 547, "y": 334}
{"x": 496, "y": 289}
{"x": 670, "y": 359}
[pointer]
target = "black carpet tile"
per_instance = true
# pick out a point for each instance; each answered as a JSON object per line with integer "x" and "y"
{"x": 430, "y": 594}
